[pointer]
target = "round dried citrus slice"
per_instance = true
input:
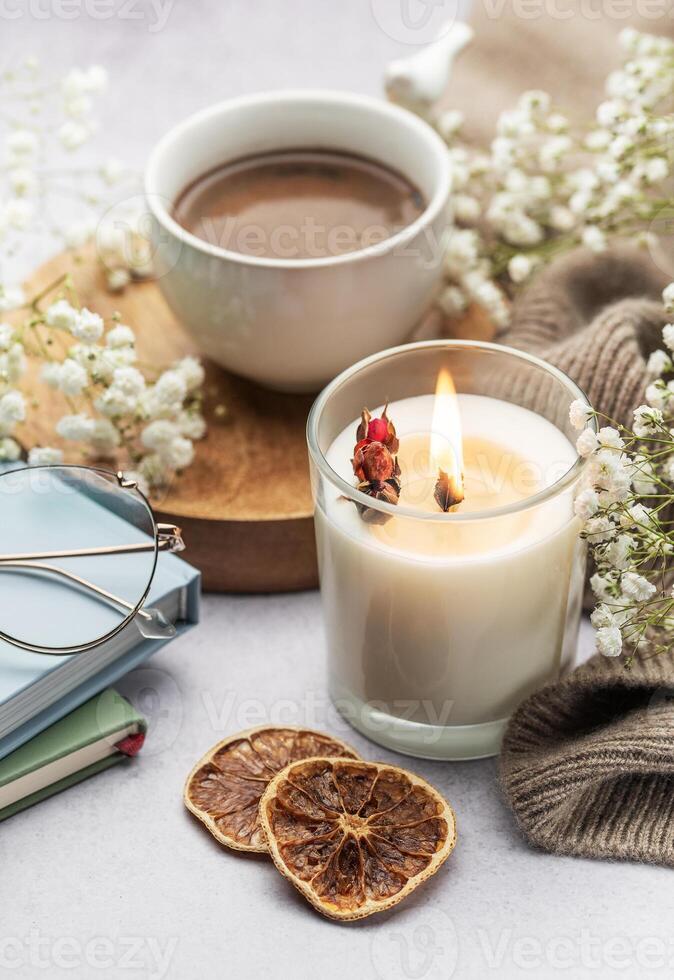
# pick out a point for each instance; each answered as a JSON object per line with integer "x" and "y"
{"x": 355, "y": 837}
{"x": 224, "y": 788}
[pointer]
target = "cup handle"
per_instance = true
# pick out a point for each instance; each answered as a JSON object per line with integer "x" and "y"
{"x": 419, "y": 81}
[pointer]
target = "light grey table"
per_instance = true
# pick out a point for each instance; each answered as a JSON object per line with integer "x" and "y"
{"x": 114, "y": 878}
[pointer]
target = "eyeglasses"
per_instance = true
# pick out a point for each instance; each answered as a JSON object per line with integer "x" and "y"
{"x": 78, "y": 554}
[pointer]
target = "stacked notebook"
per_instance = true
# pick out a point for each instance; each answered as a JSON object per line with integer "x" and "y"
{"x": 100, "y": 733}
{"x": 38, "y": 690}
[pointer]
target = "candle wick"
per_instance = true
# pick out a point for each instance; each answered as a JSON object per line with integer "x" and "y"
{"x": 448, "y": 492}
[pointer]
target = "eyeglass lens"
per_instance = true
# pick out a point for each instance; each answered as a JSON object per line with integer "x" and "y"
{"x": 56, "y": 600}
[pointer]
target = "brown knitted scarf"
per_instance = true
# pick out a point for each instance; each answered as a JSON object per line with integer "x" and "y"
{"x": 597, "y": 317}
{"x": 587, "y": 763}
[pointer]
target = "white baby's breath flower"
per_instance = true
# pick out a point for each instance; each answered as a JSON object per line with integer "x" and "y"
{"x": 557, "y": 123}
{"x": 7, "y": 335}
{"x": 10, "y": 450}
{"x": 609, "y": 641}
{"x": 637, "y": 587}
{"x": 73, "y": 134}
{"x": 18, "y": 213}
{"x": 618, "y": 552}
{"x": 21, "y": 143}
{"x": 611, "y": 474}
{"x": 659, "y": 361}
{"x": 452, "y": 301}
{"x": 657, "y": 395}
{"x": 586, "y": 504}
{"x": 462, "y": 251}
{"x": 12, "y": 410}
{"x": 171, "y": 389}
{"x": 192, "y": 372}
{"x": 11, "y": 298}
{"x": 602, "y": 617}
{"x": 129, "y": 381}
{"x": 562, "y": 218}
{"x": 61, "y": 315}
{"x": 609, "y": 113}
{"x": 73, "y": 379}
{"x": 117, "y": 357}
{"x": 610, "y": 438}
{"x": 520, "y": 268}
{"x": 105, "y": 437}
{"x": 88, "y": 327}
{"x": 668, "y": 298}
{"x": 78, "y": 106}
{"x": 599, "y": 528}
{"x": 179, "y": 454}
{"x": 587, "y": 442}
{"x": 449, "y": 124}
{"x": 593, "y": 238}
{"x": 192, "y": 425}
{"x": 153, "y": 471}
{"x": 467, "y": 209}
{"x": 640, "y": 514}
{"x": 12, "y": 364}
{"x": 114, "y": 403}
{"x": 45, "y": 456}
{"x": 120, "y": 336}
{"x": 601, "y": 586}
{"x": 668, "y": 335}
{"x": 580, "y": 414}
{"x": 78, "y": 428}
{"x": 158, "y": 435}
{"x": 23, "y": 181}
{"x": 112, "y": 171}
{"x": 118, "y": 279}
{"x": 647, "y": 421}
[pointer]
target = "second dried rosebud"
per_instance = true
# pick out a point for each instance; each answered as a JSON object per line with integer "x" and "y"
{"x": 372, "y": 462}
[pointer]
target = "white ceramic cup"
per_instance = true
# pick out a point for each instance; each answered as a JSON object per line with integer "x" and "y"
{"x": 293, "y": 324}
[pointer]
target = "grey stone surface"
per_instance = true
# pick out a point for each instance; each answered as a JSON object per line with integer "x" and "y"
{"x": 114, "y": 878}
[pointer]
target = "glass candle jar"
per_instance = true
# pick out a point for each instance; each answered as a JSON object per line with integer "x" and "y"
{"x": 439, "y": 624}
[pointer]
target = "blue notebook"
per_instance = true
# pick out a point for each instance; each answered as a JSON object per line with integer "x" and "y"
{"x": 37, "y": 690}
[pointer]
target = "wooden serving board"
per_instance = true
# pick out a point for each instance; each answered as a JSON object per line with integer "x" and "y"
{"x": 245, "y": 503}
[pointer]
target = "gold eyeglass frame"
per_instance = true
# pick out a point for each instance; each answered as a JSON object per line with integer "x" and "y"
{"x": 167, "y": 538}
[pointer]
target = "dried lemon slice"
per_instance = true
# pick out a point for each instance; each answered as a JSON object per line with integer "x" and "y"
{"x": 355, "y": 837}
{"x": 224, "y": 788}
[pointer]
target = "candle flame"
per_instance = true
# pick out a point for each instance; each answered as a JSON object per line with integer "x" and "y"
{"x": 446, "y": 438}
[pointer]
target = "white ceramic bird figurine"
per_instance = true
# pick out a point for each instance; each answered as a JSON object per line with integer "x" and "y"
{"x": 417, "y": 82}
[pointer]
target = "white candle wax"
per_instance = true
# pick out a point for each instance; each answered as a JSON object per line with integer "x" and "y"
{"x": 452, "y": 623}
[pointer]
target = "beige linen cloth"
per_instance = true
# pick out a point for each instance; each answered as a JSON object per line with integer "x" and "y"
{"x": 587, "y": 763}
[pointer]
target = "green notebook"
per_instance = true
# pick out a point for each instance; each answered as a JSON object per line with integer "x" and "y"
{"x": 94, "y": 737}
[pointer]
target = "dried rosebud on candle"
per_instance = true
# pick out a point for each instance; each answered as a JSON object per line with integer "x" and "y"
{"x": 373, "y": 461}
{"x": 378, "y": 430}
{"x": 375, "y": 464}
{"x": 386, "y": 490}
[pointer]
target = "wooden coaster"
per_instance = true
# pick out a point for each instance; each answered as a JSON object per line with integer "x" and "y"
{"x": 245, "y": 504}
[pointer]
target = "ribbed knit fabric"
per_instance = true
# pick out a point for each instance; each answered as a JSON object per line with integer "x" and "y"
{"x": 597, "y": 317}
{"x": 587, "y": 763}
